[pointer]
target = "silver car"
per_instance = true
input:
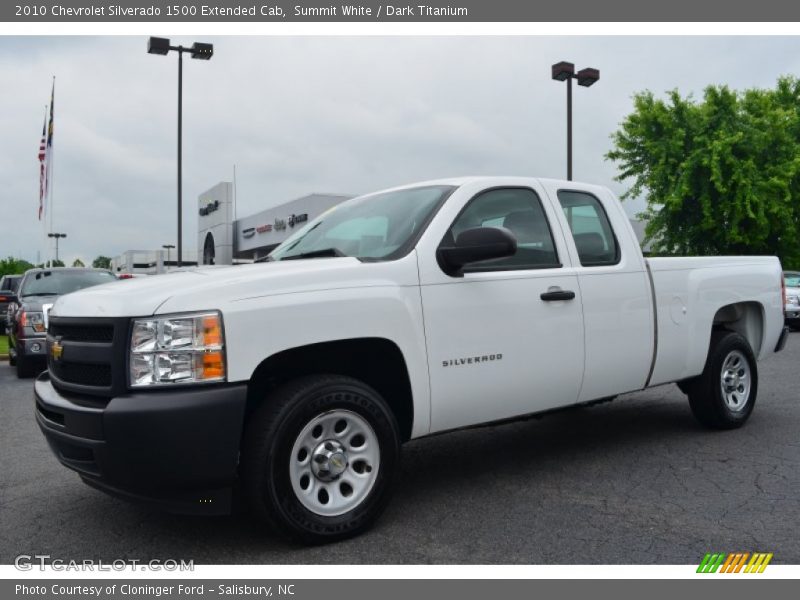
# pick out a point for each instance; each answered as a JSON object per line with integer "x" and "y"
{"x": 792, "y": 282}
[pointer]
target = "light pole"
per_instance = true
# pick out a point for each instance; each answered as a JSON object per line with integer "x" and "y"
{"x": 167, "y": 247}
{"x": 565, "y": 71}
{"x": 201, "y": 51}
{"x": 57, "y": 236}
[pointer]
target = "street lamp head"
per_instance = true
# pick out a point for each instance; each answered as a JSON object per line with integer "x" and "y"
{"x": 563, "y": 71}
{"x": 157, "y": 45}
{"x": 588, "y": 77}
{"x": 202, "y": 51}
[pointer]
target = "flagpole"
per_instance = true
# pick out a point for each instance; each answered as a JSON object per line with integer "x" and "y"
{"x": 52, "y": 166}
{"x": 43, "y": 200}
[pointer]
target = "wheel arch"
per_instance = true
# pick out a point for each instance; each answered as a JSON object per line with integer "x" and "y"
{"x": 376, "y": 361}
{"x": 745, "y": 318}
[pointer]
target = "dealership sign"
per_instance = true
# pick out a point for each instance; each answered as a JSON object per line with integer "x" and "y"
{"x": 209, "y": 208}
{"x": 278, "y": 225}
{"x": 297, "y": 219}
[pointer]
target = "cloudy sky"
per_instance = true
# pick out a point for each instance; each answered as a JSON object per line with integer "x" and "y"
{"x": 316, "y": 114}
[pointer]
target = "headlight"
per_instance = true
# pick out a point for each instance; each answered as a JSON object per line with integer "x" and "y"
{"x": 177, "y": 349}
{"x": 35, "y": 320}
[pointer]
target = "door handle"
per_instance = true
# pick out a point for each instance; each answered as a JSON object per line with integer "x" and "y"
{"x": 553, "y": 295}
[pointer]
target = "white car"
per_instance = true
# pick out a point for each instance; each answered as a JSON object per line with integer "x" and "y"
{"x": 396, "y": 315}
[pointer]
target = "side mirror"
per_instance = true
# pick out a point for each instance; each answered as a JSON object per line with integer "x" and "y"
{"x": 475, "y": 245}
{"x": 8, "y": 296}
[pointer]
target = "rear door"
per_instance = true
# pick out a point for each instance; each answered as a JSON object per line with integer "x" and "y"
{"x": 615, "y": 291}
{"x": 499, "y": 342}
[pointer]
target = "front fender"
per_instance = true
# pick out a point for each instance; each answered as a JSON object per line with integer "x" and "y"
{"x": 257, "y": 328}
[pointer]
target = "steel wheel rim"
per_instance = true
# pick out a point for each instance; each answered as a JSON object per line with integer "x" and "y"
{"x": 735, "y": 381}
{"x": 334, "y": 462}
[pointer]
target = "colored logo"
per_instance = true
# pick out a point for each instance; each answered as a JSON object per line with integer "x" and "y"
{"x": 56, "y": 350}
{"x": 735, "y": 562}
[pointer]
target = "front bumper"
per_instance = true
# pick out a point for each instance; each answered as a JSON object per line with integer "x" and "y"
{"x": 32, "y": 347}
{"x": 178, "y": 449}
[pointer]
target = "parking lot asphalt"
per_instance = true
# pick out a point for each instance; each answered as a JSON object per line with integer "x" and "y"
{"x": 633, "y": 481}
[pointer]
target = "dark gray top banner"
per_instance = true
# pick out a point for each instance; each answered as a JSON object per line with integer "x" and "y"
{"x": 381, "y": 11}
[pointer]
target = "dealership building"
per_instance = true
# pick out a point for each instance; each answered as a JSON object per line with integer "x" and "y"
{"x": 223, "y": 240}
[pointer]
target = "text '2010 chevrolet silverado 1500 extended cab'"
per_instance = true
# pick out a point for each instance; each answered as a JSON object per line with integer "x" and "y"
{"x": 395, "y": 315}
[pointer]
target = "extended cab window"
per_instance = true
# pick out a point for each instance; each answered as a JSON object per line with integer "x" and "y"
{"x": 518, "y": 210}
{"x": 590, "y": 228}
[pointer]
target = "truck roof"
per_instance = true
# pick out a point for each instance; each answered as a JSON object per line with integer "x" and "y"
{"x": 495, "y": 180}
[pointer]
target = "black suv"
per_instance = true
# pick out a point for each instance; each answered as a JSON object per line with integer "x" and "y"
{"x": 9, "y": 284}
{"x": 27, "y": 327}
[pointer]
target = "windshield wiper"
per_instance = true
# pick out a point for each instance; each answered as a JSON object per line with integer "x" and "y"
{"x": 324, "y": 252}
{"x": 266, "y": 258}
{"x": 41, "y": 294}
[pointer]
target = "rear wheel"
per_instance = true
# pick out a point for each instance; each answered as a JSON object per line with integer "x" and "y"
{"x": 724, "y": 395}
{"x": 318, "y": 458}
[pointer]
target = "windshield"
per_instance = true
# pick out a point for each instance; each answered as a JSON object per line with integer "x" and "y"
{"x": 792, "y": 279}
{"x": 368, "y": 227}
{"x": 57, "y": 283}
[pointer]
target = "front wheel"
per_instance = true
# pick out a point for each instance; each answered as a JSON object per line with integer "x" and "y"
{"x": 724, "y": 395}
{"x": 318, "y": 458}
{"x": 25, "y": 367}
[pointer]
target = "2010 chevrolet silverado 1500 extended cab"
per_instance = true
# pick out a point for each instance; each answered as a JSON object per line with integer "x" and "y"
{"x": 395, "y": 315}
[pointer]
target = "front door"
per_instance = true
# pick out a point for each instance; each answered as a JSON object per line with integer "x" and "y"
{"x": 505, "y": 339}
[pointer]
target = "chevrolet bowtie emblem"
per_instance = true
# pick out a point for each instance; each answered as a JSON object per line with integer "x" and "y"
{"x": 56, "y": 350}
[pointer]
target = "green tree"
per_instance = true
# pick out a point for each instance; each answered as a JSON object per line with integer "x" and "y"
{"x": 78, "y": 263}
{"x": 720, "y": 176}
{"x": 102, "y": 262}
{"x": 13, "y": 266}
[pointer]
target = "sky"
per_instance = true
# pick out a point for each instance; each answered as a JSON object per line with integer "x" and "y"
{"x": 297, "y": 115}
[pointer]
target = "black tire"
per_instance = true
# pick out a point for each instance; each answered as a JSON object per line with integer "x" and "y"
{"x": 686, "y": 385}
{"x": 706, "y": 396}
{"x": 25, "y": 367}
{"x": 267, "y": 449}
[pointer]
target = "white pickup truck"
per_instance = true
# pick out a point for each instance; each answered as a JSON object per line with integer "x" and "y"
{"x": 424, "y": 308}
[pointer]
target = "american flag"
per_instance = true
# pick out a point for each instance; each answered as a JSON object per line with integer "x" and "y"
{"x": 46, "y": 156}
{"x": 42, "y": 166}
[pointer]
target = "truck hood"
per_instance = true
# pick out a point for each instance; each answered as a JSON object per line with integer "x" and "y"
{"x": 207, "y": 288}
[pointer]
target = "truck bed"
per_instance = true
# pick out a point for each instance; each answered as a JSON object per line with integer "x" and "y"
{"x": 689, "y": 293}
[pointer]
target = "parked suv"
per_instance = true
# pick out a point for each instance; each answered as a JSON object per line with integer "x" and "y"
{"x": 8, "y": 289}
{"x": 27, "y": 327}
